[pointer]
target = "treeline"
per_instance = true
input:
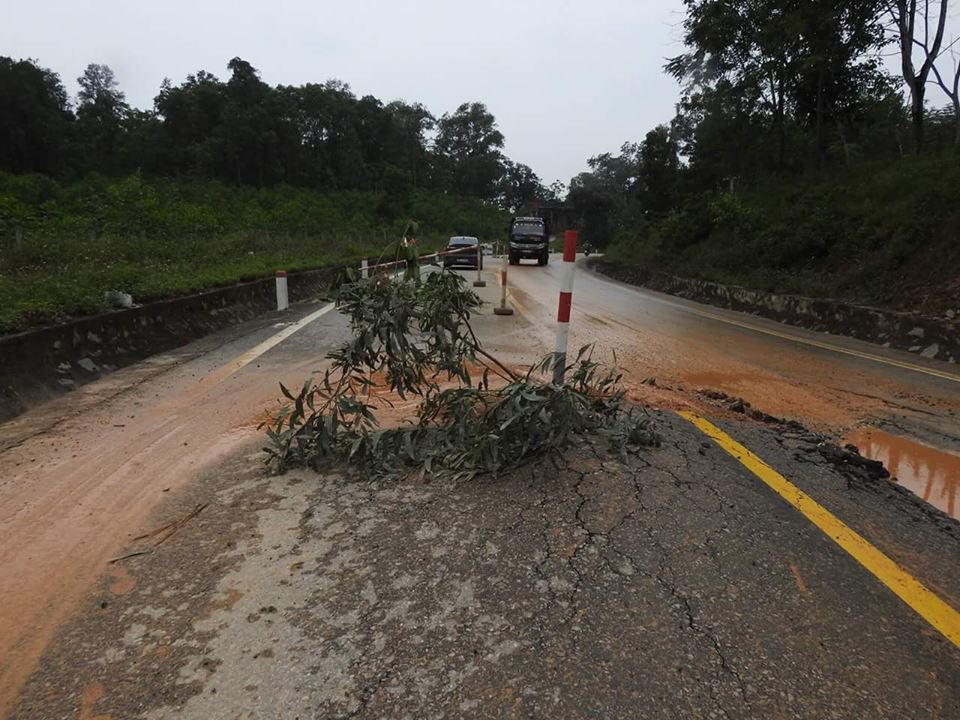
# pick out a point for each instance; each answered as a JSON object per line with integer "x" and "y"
{"x": 774, "y": 90}
{"x": 222, "y": 181}
{"x": 245, "y": 132}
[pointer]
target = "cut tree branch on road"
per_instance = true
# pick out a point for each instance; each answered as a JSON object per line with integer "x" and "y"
{"x": 412, "y": 338}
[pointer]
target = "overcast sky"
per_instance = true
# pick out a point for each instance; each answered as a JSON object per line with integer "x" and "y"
{"x": 565, "y": 80}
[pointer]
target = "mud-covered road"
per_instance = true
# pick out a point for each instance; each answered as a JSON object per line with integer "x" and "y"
{"x": 679, "y": 585}
{"x": 897, "y": 405}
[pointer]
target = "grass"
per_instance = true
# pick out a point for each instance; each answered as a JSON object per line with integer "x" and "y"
{"x": 67, "y": 283}
{"x": 63, "y": 247}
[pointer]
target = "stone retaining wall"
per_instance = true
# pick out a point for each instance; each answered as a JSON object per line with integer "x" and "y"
{"x": 935, "y": 338}
{"x": 48, "y": 361}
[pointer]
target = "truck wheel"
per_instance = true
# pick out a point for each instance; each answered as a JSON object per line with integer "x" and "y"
{"x": 513, "y": 259}
{"x": 542, "y": 260}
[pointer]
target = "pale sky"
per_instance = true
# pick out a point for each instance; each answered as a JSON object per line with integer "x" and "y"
{"x": 565, "y": 80}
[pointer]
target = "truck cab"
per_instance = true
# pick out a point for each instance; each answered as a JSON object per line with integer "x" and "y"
{"x": 529, "y": 238}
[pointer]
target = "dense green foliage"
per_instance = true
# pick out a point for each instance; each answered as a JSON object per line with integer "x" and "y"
{"x": 222, "y": 181}
{"x": 63, "y": 246}
{"x": 245, "y": 132}
{"x": 790, "y": 163}
{"x": 881, "y": 233}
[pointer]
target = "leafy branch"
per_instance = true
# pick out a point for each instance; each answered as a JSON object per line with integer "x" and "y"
{"x": 413, "y": 338}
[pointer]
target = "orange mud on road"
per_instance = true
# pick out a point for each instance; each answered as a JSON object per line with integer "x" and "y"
{"x": 81, "y": 476}
{"x": 686, "y": 347}
{"x": 929, "y": 473}
{"x": 74, "y": 495}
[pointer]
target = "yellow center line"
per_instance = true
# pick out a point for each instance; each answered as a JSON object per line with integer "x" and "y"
{"x": 914, "y": 593}
{"x": 805, "y": 341}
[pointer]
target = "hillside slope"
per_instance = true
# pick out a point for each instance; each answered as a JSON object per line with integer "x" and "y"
{"x": 884, "y": 234}
{"x": 63, "y": 246}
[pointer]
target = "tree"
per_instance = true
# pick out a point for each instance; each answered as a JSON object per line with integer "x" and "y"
{"x": 755, "y": 45}
{"x": 407, "y": 143}
{"x": 793, "y": 61}
{"x": 252, "y": 128}
{"x": 467, "y": 153}
{"x": 35, "y": 118}
{"x": 659, "y": 170}
{"x": 723, "y": 137}
{"x": 951, "y": 86}
{"x": 244, "y": 131}
{"x": 191, "y": 115}
{"x": 143, "y": 145}
{"x": 840, "y": 66}
{"x": 601, "y": 196}
{"x": 555, "y": 192}
{"x": 98, "y": 84}
{"x": 912, "y": 29}
{"x": 101, "y": 110}
{"x": 520, "y": 185}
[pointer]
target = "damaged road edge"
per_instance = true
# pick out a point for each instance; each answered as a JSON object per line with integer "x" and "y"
{"x": 915, "y": 594}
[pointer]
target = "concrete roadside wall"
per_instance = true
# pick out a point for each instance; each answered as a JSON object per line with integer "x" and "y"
{"x": 49, "y": 361}
{"x": 935, "y": 338}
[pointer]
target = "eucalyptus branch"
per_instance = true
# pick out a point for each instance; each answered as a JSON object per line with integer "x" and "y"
{"x": 414, "y": 331}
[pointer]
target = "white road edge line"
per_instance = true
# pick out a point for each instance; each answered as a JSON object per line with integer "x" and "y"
{"x": 253, "y": 353}
{"x": 786, "y": 336}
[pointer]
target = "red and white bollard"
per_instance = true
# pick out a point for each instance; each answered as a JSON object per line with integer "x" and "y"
{"x": 566, "y": 300}
{"x": 479, "y": 282}
{"x": 283, "y": 301}
{"x": 503, "y": 309}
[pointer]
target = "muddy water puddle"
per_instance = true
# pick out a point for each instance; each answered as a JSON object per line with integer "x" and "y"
{"x": 932, "y": 474}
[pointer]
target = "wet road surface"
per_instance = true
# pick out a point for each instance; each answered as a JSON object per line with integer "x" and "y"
{"x": 691, "y": 346}
{"x": 76, "y": 486}
{"x": 670, "y": 587}
{"x": 678, "y": 586}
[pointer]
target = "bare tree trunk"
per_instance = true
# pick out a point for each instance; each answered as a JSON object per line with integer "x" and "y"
{"x": 778, "y": 120}
{"x": 912, "y": 35}
{"x": 844, "y": 144}
{"x": 820, "y": 81}
{"x": 916, "y": 116}
{"x": 952, "y": 91}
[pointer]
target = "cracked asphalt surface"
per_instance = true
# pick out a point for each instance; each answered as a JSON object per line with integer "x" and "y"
{"x": 675, "y": 585}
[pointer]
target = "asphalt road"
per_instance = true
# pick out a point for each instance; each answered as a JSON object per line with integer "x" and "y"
{"x": 678, "y": 585}
{"x": 768, "y": 363}
{"x": 783, "y": 370}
